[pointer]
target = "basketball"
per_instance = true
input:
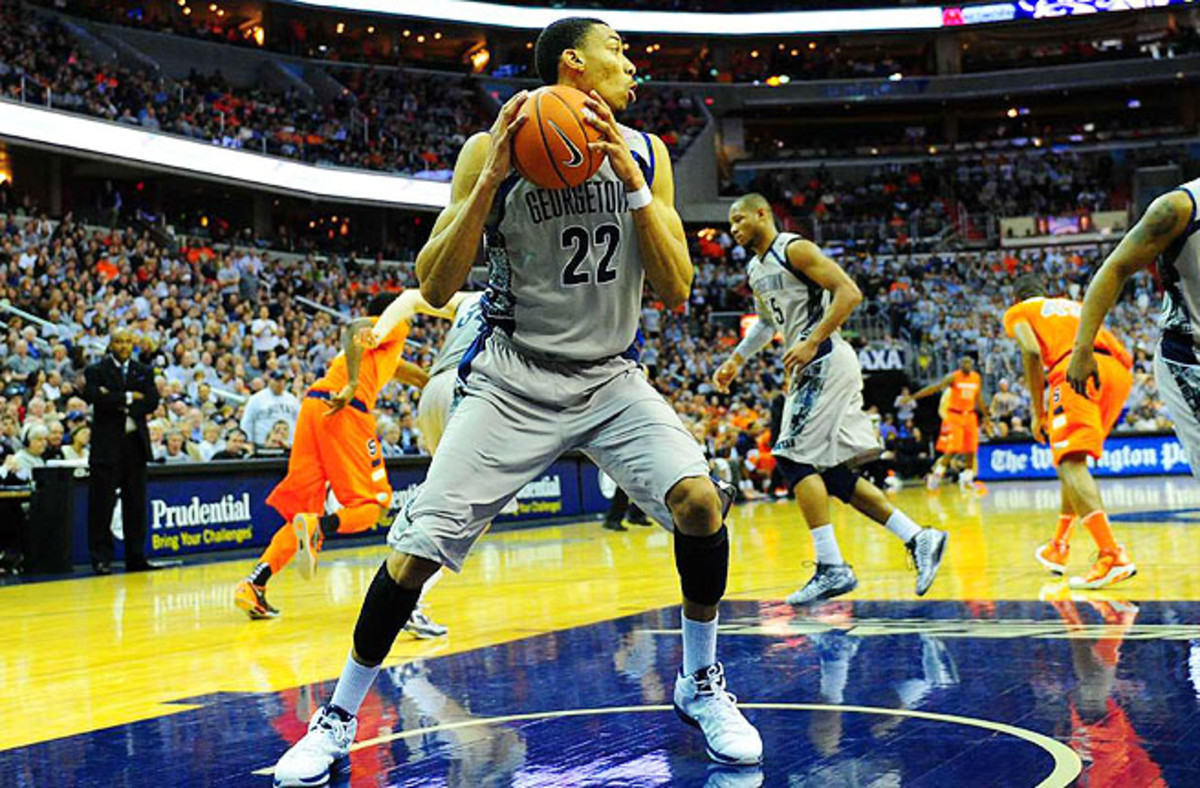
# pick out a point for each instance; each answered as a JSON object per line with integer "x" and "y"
{"x": 551, "y": 148}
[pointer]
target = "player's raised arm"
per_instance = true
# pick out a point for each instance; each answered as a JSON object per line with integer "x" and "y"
{"x": 933, "y": 388}
{"x": 807, "y": 258}
{"x": 407, "y": 305}
{"x": 1165, "y": 219}
{"x": 484, "y": 162}
{"x": 660, "y": 230}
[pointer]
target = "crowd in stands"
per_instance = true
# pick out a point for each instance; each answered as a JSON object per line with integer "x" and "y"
{"x": 220, "y": 326}
{"x": 402, "y": 122}
{"x": 800, "y": 58}
{"x": 1023, "y": 132}
{"x": 888, "y": 208}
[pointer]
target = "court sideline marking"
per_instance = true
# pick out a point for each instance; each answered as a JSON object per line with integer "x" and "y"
{"x": 1067, "y": 764}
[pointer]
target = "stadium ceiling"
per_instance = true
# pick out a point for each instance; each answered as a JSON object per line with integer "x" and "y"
{"x": 470, "y": 12}
{"x": 64, "y": 133}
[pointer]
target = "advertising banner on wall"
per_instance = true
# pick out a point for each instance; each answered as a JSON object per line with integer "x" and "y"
{"x": 1134, "y": 455}
{"x": 193, "y": 514}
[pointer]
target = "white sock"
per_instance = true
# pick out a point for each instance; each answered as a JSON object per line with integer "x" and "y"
{"x": 902, "y": 526}
{"x": 353, "y": 685}
{"x": 699, "y": 644}
{"x": 826, "y": 544}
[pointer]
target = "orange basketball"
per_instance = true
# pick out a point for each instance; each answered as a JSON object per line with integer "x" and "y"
{"x": 550, "y": 149}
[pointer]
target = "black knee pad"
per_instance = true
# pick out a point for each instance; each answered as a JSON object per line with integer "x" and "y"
{"x": 794, "y": 472}
{"x": 840, "y": 482}
{"x": 385, "y": 610}
{"x": 703, "y": 564}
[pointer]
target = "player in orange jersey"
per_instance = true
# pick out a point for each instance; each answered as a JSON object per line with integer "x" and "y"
{"x": 1075, "y": 425}
{"x": 336, "y": 445}
{"x": 959, "y": 435}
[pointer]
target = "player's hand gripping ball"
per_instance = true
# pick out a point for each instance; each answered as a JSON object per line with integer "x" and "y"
{"x": 551, "y": 147}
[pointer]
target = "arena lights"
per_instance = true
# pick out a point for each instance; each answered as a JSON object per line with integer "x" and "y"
{"x": 471, "y": 12}
{"x": 70, "y": 133}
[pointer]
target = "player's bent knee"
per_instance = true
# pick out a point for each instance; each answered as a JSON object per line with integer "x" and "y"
{"x": 703, "y": 565}
{"x": 695, "y": 506}
{"x": 840, "y": 482}
{"x": 385, "y": 610}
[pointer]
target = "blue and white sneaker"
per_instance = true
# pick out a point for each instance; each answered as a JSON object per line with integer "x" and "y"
{"x": 323, "y": 751}
{"x": 702, "y": 700}
{"x": 828, "y": 581}
{"x": 927, "y": 549}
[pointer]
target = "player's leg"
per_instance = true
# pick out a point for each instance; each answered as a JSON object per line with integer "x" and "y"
{"x": 637, "y": 439}
{"x": 926, "y": 545}
{"x": 1077, "y": 431}
{"x": 492, "y": 447}
{"x": 302, "y": 489}
{"x": 833, "y": 576}
{"x": 1054, "y": 554}
{"x": 969, "y": 447}
{"x": 857, "y": 440}
{"x": 1179, "y": 385}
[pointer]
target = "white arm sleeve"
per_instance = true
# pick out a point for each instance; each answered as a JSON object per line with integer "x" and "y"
{"x": 757, "y": 338}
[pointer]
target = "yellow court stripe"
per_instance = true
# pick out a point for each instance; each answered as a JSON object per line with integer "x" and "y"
{"x": 1067, "y": 764}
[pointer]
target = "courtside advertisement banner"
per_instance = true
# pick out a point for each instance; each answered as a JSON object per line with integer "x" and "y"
{"x": 1134, "y": 455}
{"x": 212, "y": 511}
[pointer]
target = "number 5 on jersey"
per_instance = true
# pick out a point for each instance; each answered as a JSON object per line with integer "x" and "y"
{"x": 580, "y": 243}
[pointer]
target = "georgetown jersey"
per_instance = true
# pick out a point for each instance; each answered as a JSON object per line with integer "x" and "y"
{"x": 786, "y": 298}
{"x": 468, "y": 322}
{"x": 565, "y": 278}
{"x": 1179, "y": 269}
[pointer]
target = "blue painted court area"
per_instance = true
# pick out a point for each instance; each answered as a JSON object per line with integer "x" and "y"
{"x": 1097, "y": 693}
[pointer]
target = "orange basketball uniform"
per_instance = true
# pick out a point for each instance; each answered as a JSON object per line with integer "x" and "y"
{"x": 1077, "y": 423}
{"x": 959, "y": 433}
{"x": 341, "y": 450}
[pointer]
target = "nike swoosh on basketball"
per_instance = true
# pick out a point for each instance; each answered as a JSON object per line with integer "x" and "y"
{"x": 576, "y": 156}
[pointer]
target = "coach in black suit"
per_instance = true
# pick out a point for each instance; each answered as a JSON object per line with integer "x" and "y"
{"x": 122, "y": 393}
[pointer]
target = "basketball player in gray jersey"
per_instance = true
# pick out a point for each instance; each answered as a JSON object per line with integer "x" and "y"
{"x": 824, "y": 431}
{"x": 437, "y": 398}
{"x": 1170, "y": 233}
{"x": 553, "y": 372}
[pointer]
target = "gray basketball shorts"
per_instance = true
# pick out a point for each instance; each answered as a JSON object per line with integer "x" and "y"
{"x": 433, "y": 409}
{"x": 824, "y": 424}
{"x": 1179, "y": 385}
{"x": 516, "y": 417}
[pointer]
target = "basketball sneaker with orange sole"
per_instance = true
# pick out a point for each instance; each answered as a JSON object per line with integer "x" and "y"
{"x": 310, "y": 540}
{"x": 1053, "y": 555}
{"x": 1112, "y": 566}
{"x": 253, "y": 600}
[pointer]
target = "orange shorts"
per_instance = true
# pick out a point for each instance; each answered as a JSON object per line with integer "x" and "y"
{"x": 959, "y": 433}
{"x": 341, "y": 450}
{"x": 1080, "y": 424}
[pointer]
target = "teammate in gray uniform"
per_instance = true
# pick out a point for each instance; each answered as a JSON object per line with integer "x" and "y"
{"x": 437, "y": 398}
{"x": 1169, "y": 232}
{"x": 824, "y": 431}
{"x": 553, "y": 373}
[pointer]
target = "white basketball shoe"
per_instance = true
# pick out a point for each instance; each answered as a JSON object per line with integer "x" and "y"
{"x": 325, "y": 749}
{"x": 702, "y": 700}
